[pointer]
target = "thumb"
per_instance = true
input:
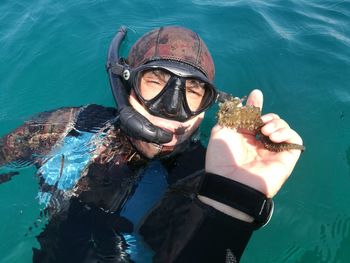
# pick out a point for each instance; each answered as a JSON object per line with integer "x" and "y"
{"x": 255, "y": 98}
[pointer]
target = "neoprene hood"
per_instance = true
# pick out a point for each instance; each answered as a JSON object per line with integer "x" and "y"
{"x": 173, "y": 43}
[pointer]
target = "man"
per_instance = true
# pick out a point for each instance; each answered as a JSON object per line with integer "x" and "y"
{"x": 131, "y": 185}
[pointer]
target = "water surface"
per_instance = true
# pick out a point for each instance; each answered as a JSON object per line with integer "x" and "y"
{"x": 297, "y": 52}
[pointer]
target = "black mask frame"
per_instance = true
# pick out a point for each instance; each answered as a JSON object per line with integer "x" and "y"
{"x": 171, "y": 102}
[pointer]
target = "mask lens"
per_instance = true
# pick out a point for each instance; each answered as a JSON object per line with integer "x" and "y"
{"x": 151, "y": 83}
{"x": 195, "y": 94}
{"x": 157, "y": 89}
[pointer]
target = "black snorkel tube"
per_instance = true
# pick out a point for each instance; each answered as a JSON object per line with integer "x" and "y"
{"x": 131, "y": 122}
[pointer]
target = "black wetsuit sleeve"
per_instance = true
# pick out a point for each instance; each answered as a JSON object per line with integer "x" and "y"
{"x": 218, "y": 238}
{"x": 183, "y": 229}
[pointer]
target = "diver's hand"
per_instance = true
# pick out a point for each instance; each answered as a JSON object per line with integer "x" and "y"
{"x": 239, "y": 156}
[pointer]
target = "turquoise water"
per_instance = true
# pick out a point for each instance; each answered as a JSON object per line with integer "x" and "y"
{"x": 297, "y": 52}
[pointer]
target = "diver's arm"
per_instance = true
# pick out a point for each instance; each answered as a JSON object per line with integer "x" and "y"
{"x": 241, "y": 184}
{"x": 218, "y": 238}
{"x": 37, "y": 136}
{"x": 181, "y": 228}
{"x": 238, "y": 187}
{"x": 247, "y": 163}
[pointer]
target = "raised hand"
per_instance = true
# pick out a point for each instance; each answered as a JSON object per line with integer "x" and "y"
{"x": 239, "y": 156}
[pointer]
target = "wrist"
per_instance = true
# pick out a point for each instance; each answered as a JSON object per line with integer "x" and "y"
{"x": 250, "y": 179}
{"x": 228, "y": 210}
{"x": 235, "y": 199}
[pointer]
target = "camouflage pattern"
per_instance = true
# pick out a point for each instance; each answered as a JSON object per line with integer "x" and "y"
{"x": 36, "y": 137}
{"x": 34, "y": 143}
{"x": 173, "y": 43}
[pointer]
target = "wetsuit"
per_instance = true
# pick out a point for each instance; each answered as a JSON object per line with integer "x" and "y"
{"x": 117, "y": 206}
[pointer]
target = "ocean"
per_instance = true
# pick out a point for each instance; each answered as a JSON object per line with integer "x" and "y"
{"x": 297, "y": 52}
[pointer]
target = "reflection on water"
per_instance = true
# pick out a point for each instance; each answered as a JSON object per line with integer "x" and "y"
{"x": 332, "y": 244}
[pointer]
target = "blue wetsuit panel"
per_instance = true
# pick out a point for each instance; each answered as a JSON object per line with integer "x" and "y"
{"x": 76, "y": 152}
{"x": 150, "y": 189}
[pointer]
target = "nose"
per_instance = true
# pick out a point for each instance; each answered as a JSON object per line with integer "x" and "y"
{"x": 170, "y": 104}
{"x": 173, "y": 98}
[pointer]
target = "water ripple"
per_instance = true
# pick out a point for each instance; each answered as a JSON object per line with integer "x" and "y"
{"x": 331, "y": 245}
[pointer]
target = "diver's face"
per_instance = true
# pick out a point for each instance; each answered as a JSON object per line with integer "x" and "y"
{"x": 157, "y": 83}
{"x": 181, "y": 130}
{"x": 151, "y": 83}
{"x": 172, "y": 94}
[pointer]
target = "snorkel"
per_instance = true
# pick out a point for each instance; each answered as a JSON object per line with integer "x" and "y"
{"x": 131, "y": 122}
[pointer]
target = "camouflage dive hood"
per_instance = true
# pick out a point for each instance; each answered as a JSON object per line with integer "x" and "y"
{"x": 173, "y": 43}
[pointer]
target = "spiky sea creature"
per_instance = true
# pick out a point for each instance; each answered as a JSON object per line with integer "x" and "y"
{"x": 235, "y": 116}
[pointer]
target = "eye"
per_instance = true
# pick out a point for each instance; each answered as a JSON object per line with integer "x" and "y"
{"x": 194, "y": 91}
{"x": 156, "y": 77}
{"x": 153, "y": 81}
{"x": 151, "y": 84}
{"x": 195, "y": 87}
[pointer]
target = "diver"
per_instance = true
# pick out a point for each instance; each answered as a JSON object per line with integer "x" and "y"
{"x": 134, "y": 183}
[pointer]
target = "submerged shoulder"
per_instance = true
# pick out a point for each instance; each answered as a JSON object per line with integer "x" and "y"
{"x": 81, "y": 117}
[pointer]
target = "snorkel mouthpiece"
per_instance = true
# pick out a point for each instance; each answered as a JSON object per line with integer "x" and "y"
{"x": 132, "y": 122}
{"x": 138, "y": 127}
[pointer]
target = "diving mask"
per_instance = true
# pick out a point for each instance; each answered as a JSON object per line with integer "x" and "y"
{"x": 172, "y": 90}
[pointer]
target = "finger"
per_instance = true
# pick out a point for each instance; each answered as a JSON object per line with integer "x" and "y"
{"x": 286, "y": 135}
{"x": 273, "y": 125}
{"x": 268, "y": 117}
{"x": 256, "y": 99}
{"x": 281, "y": 135}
